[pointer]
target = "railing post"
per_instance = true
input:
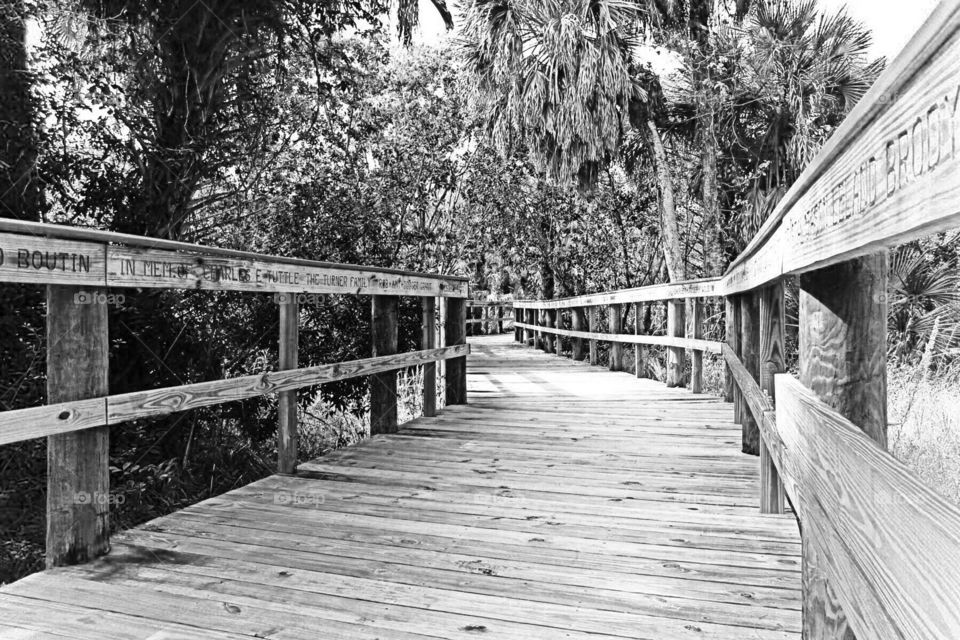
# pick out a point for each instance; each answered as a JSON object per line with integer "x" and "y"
{"x": 592, "y": 326}
{"x": 548, "y": 337}
{"x": 772, "y": 361}
{"x": 675, "y": 354}
{"x": 843, "y": 348}
{"x": 287, "y": 400}
{"x": 527, "y": 333}
{"x": 78, "y": 476}
{"x": 429, "y": 341}
{"x": 383, "y": 386}
{"x": 486, "y": 329}
{"x": 696, "y": 355}
{"x": 639, "y": 350}
{"x": 456, "y": 332}
{"x": 500, "y": 309}
{"x": 615, "y": 325}
{"x": 577, "y": 320}
{"x": 731, "y": 328}
{"x": 557, "y": 323}
{"x": 750, "y": 356}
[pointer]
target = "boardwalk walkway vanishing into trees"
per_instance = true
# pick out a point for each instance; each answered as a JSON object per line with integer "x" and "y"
{"x": 564, "y": 501}
{"x": 551, "y": 499}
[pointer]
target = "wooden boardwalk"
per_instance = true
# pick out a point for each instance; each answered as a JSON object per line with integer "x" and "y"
{"x": 563, "y": 502}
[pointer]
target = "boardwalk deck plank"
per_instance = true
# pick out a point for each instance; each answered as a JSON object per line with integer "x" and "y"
{"x": 564, "y": 501}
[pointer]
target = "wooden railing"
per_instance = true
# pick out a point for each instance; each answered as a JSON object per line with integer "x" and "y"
{"x": 489, "y": 317}
{"x": 543, "y": 322}
{"x": 81, "y": 268}
{"x": 881, "y": 551}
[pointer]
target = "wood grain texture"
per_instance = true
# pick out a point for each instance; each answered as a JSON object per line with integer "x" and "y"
{"x": 750, "y": 356}
{"x": 428, "y": 340}
{"x": 42, "y": 260}
{"x": 578, "y": 322}
{"x": 843, "y": 340}
{"x": 383, "y": 386}
{"x": 885, "y": 543}
{"x": 592, "y": 326}
{"x": 675, "y": 355}
{"x": 681, "y": 290}
{"x": 695, "y": 331}
{"x": 557, "y": 319}
{"x": 455, "y": 335}
{"x": 78, "y": 477}
{"x": 55, "y": 254}
{"x": 287, "y": 441}
{"x": 479, "y": 523}
{"x": 843, "y": 334}
{"x": 772, "y": 362}
{"x": 25, "y": 424}
{"x": 615, "y": 326}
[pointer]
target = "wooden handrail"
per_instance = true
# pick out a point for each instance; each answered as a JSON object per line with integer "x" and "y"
{"x": 55, "y": 254}
{"x": 708, "y": 346}
{"x": 82, "y": 267}
{"x": 65, "y": 417}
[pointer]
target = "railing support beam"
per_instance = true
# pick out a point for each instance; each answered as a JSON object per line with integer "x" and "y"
{"x": 675, "y": 354}
{"x": 695, "y": 330}
{"x": 772, "y": 362}
{"x": 429, "y": 341}
{"x": 557, "y": 323}
{"x": 383, "y": 386}
{"x": 592, "y": 327}
{"x": 456, "y": 333}
{"x": 287, "y": 400}
{"x": 578, "y": 320}
{"x": 78, "y": 476}
{"x": 750, "y": 356}
{"x": 615, "y": 325}
{"x": 843, "y": 345}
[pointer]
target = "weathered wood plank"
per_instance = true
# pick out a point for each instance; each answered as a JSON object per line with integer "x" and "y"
{"x": 772, "y": 361}
{"x": 78, "y": 476}
{"x": 24, "y": 424}
{"x": 287, "y": 441}
{"x": 428, "y": 340}
{"x": 653, "y": 293}
{"x": 888, "y": 545}
{"x": 455, "y": 335}
{"x": 56, "y": 254}
{"x": 615, "y": 326}
{"x": 383, "y": 386}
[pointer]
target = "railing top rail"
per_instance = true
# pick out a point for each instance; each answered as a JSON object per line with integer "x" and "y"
{"x": 56, "y": 254}
{"x": 689, "y": 289}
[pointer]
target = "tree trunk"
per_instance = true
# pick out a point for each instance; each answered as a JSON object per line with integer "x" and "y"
{"x": 669, "y": 228}
{"x": 712, "y": 255}
{"x": 19, "y": 191}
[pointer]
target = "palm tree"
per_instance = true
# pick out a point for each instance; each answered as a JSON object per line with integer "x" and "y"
{"x": 794, "y": 73}
{"x": 557, "y": 78}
